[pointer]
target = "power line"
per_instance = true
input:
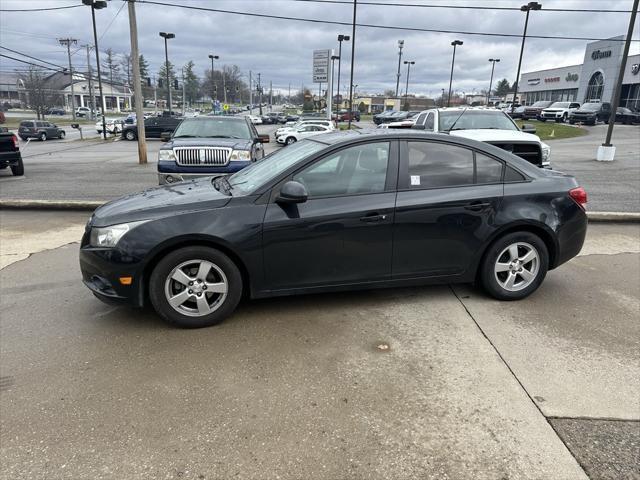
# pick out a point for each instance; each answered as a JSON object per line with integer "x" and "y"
{"x": 368, "y": 25}
{"x": 29, "y": 56}
{"x": 469, "y": 7}
{"x": 112, "y": 20}
{"x": 21, "y": 10}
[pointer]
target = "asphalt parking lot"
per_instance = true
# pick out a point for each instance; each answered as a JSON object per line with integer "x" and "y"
{"x": 432, "y": 383}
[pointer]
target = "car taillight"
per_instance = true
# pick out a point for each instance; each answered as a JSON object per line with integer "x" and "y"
{"x": 14, "y": 139}
{"x": 579, "y": 196}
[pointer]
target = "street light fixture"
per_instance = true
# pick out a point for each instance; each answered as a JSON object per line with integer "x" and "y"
{"x": 97, "y": 5}
{"x": 406, "y": 92}
{"x": 212, "y": 57}
{"x": 167, "y": 36}
{"x": 493, "y": 65}
{"x": 341, "y": 38}
{"x": 400, "y": 45}
{"x": 524, "y": 8}
{"x": 455, "y": 43}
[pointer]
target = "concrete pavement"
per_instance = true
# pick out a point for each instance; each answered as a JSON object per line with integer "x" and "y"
{"x": 298, "y": 388}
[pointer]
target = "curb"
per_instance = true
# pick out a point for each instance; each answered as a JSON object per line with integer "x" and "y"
{"x": 90, "y": 205}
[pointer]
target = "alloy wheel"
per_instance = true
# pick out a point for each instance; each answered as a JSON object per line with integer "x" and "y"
{"x": 517, "y": 266}
{"x": 196, "y": 288}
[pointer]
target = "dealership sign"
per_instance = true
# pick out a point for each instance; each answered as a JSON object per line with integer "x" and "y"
{"x": 533, "y": 81}
{"x": 551, "y": 79}
{"x": 571, "y": 77}
{"x": 635, "y": 68}
{"x": 598, "y": 54}
{"x": 321, "y": 66}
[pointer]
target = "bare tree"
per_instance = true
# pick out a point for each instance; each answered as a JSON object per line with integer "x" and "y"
{"x": 127, "y": 67}
{"x": 39, "y": 98}
{"x": 111, "y": 65}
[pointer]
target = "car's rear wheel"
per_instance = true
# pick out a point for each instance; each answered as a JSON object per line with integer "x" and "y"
{"x": 290, "y": 140}
{"x": 514, "y": 266}
{"x": 195, "y": 287}
{"x": 18, "y": 169}
{"x": 130, "y": 135}
{"x": 42, "y": 136}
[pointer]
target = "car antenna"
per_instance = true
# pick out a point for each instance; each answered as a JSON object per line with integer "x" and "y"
{"x": 454, "y": 123}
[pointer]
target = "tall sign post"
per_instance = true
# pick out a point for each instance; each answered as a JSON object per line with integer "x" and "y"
{"x": 322, "y": 73}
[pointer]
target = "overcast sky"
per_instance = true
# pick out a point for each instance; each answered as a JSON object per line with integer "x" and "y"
{"x": 281, "y": 50}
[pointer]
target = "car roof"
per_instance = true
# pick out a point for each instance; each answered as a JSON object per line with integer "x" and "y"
{"x": 217, "y": 117}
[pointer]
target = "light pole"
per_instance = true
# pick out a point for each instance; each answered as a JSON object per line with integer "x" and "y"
{"x": 167, "y": 36}
{"x": 406, "y": 92}
{"x": 212, "y": 57}
{"x": 341, "y": 38}
{"x": 97, "y": 5}
{"x": 333, "y": 59}
{"x": 400, "y": 45}
{"x": 455, "y": 43}
{"x": 525, "y": 8}
{"x": 493, "y": 65}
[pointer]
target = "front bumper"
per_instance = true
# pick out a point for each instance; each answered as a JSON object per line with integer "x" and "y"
{"x": 171, "y": 172}
{"x": 551, "y": 115}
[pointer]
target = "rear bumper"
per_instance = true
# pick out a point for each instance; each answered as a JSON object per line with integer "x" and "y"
{"x": 571, "y": 236}
{"x": 9, "y": 159}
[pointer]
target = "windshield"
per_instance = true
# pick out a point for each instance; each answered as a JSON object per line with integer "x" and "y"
{"x": 560, "y": 105}
{"x": 475, "y": 119}
{"x": 258, "y": 174}
{"x": 212, "y": 127}
{"x": 591, "y": 107}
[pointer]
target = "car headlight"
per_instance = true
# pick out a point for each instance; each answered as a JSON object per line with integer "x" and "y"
{"x": 166, "y": 154}
{"x": 110, "y": 236}
{"x": 546, "y": 152}
{"x": 240, "y": 155}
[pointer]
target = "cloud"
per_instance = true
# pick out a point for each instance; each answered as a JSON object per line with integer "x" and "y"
{"x": 281, "y": 50}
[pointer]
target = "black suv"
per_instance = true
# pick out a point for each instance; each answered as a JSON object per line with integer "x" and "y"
{"x": 205, "y": 146}
{"x": 39, "y": 129}
{"x": 591, "y": 113}
{"x": 154, "y": 127}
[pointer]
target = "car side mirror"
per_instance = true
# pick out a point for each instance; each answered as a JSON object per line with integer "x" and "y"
{"x": 263, "y": 138}
{"x": 165, "y": 136}
{"x": 292, "y": 192}
{"x": 528, "y": 128}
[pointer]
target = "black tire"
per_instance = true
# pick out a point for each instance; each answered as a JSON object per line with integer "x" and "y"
{"x": 489, "y": 278}
{"x": 42, "y": 136}
{"x": 130, "y": 135}
{"x": 564, "y": 118}
{"x": 160, "y": 275}
{"x": 542, "y": 119}
{"x": 18, "y": 169}
{"x": 572, "y": 122}
{"x": 290, "y": 140}
{"x": 61, "y": 135}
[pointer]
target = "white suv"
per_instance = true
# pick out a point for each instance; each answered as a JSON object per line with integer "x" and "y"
{"x": 300, "y": 123}
{"x": 489, "y": 126}
{"x": 558, "y": 111}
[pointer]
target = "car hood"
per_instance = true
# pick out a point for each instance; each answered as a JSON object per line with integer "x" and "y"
{"x": 554, "y": 110}
{"x": 593, "y": 112}
{"x": 160, "y": 201}
{"x": 234, "y": 143}
{"x": 489, "y": 135}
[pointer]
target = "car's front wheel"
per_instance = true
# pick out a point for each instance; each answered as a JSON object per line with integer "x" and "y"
{"x": 290, "y": 140}
{"x": 195, "y": 287}
{"x": 514, "y": 266}
{"x": 130, "y": 135}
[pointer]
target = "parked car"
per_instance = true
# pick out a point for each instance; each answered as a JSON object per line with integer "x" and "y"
{"x": 291, "y": 118}
{"x": 39, "y": 129}
{"x": 83, "y": 112}
{"x": 533, "y": 111}
{"x": 340, "y": 211}
{"x": 154, "y": 127}
{"x": 489, "y": 126}
{"x": 205, "y": 146}
{"x": 270, "y": 118}
{"x": 10, "y": 154}
{"x": 627, "y": 116}
{"x": 379, "y": 117}
{"x": 518, "y": 111}
{"x": 591, "y": 113}
{"x": 55, "y": 111}
{"x": 313, "y": 121}
{"x": 289, "y": 137}
{"x": 558, "y": 111}
{"x": 114, "y": 125}
{"x": 255, "y": 119}
{"x": 343, "y": 116}
{"x": 408, "y": 122}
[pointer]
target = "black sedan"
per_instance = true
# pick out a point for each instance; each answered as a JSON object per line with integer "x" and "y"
{"x": 627, "y": 116}
{"x": 349, "y": 210}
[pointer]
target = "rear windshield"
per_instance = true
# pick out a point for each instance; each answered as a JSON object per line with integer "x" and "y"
{"x": 26, "y": 124}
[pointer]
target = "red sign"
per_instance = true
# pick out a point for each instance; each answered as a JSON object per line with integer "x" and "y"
{"x": 551, "y": 79}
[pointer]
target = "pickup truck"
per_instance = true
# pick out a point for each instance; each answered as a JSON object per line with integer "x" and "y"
{"x": 488, "y": 126}
{"x": 209, "y": 146}
{"x": 10, "y": 153}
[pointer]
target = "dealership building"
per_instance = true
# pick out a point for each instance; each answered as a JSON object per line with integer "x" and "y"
{"x": 594, "y": 80}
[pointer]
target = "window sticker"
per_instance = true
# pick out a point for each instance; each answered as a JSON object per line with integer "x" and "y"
{"x": 415, "y": 179}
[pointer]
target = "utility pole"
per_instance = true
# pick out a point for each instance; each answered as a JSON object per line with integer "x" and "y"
{"x": 400, "y": 45}
{"x": 184, "y": 98}
{"x": 353, "y": 55}
{"x": 260, "y": 94}
{"x": 270, "y": 95}
{"x": 92, "y": 99}
{"x": 224, "y": 83}
{"x": 289, "y": 96}
{"x": 155, "y": 96}
{"x": 97, "y": 5}
{"x": 67, "y": 42}
{"x": 250, "y": 93}
{"x": 137, "y": 84}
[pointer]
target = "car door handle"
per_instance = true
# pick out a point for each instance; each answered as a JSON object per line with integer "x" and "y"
{"x": 373, "y": 217}
{"x": 477, "y": 206}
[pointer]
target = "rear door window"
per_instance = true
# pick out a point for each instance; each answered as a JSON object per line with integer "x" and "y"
{"x": 488, "y": 170}
{"x": 437, "y": 165}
